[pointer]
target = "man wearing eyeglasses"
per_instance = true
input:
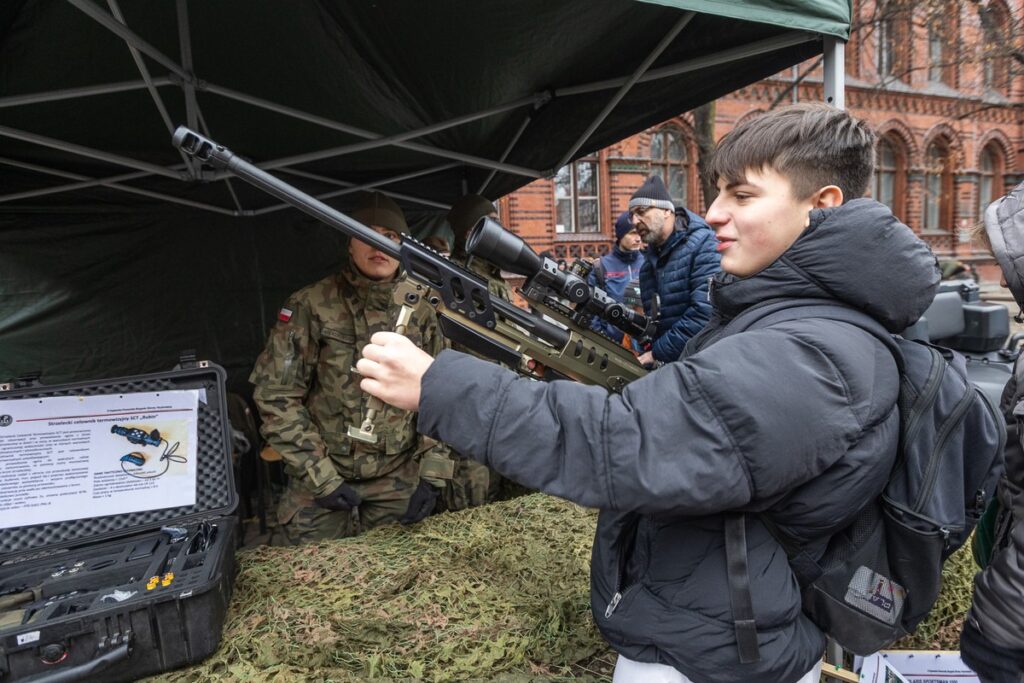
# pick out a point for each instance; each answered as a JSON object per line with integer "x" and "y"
{"x": 681, "y": 258}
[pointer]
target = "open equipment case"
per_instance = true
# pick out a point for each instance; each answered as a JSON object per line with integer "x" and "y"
{"x": 119, "y": 596}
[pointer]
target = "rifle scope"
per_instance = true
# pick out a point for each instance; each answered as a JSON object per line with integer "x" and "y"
{"x": 491, "y": 242}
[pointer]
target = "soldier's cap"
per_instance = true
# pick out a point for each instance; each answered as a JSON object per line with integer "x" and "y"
{"x": 466, "y": 212}
{"x": 374, "y": 208}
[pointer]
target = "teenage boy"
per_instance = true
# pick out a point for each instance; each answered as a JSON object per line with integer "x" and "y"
{"x": 619, "y": 270}
{"x": 992, "y": 642}
{"x": 795, "y": 419}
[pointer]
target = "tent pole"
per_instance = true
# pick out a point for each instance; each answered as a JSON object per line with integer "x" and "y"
{"x": 80, "y": 150}
{"x": 835, "y": 72}
{"x": 129, "y": 36}
{"x": 617, "y": 97}
{"x": 328, "y": 123}
{"x": 779, "y": 42}
{"x": 508, "y": 150}
{"x": 342, "y": 183}
{"x": 115, "y": 11}
{"x": 394, "y": 140}
{"x": 185, "y": 40}
{"x": 70, "y": 93}
{"x": 364, "y": 186}
{"x": 76, "y": 176}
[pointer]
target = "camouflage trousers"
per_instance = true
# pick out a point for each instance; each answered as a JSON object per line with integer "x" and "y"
{"x": 472, "y": 484}
{"x": 384, "y": 500}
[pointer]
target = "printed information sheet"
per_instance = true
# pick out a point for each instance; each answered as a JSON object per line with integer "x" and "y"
{"x": 71, "y": 457}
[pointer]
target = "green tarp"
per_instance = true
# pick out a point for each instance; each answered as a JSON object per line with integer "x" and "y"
{"x": 99, "y": 281}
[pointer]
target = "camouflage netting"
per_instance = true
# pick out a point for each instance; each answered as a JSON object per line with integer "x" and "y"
{"x": 493, "y": 593}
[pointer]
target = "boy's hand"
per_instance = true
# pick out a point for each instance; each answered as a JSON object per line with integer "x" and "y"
{"x": 646, "y": 358}
{"x": 392, "y": 367}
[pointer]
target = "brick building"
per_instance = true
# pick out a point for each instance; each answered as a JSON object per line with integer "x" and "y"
{"x": 936, "y": 78}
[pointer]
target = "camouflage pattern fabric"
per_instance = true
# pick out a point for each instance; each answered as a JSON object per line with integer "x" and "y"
{"x": 384, "y": 500}
{"x": 308, "y": 395}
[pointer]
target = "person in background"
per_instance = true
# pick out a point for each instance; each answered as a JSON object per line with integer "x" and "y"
{"x": 616, "y": 271}
{"x": 680, "y": 260}
{"x": 992, "y": 640}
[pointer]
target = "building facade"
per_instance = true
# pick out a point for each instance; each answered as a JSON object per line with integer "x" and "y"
{"x": 940, "y": 81}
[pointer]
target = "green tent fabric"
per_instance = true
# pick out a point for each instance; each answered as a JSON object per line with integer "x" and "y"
{"x": 116, "y": 278}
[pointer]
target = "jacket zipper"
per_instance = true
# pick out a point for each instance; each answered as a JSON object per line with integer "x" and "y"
{"x": 933, "y": 464}
{"x": 619, "y": 588}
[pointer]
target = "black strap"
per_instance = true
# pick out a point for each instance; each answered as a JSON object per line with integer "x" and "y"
{"x": 804, "y": 567}
{"x": 739, "y": 587}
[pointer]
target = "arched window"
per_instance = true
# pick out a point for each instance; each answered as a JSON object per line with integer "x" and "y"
{"x": 885, "y": 173}
{"x": 577, "y": 207}
{"x": 670, "y": 160}
{"x": 996, "y": 67}
{"x": 990, "y": 177}
{"x": 886, "y": 55}
{"x": 936, "y": 51}
{"x": 938, "y": 188}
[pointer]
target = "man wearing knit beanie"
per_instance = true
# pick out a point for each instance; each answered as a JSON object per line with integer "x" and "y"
{"x": 680, "y": 259}
{"x": 308, "y": 397}
{"x": 615, "y": 272}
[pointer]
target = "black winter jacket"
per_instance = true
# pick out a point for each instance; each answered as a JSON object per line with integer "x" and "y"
{"x": 679, "y": 271}
{"x": 799, "y": 417}
{"x": 998, "y": 609}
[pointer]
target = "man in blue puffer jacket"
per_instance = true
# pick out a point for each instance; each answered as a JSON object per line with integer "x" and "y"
{"x": 618, "y": 270}
{"x": 796, "y": 419}
{"x": 681, "y": 258}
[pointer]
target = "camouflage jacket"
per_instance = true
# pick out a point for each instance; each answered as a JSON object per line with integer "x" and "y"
{"x": 308, "y": 394}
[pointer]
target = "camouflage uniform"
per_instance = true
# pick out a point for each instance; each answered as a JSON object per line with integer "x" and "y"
{"x": 308, "y": 397}
{"x": 472, "y": 483}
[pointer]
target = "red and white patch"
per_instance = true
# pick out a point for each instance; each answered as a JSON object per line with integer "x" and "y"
{"x": 284, "y": 315}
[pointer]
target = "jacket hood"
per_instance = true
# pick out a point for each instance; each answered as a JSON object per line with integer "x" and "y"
{"x": 857, "y": 253}
{"x": 1004, "y": 224}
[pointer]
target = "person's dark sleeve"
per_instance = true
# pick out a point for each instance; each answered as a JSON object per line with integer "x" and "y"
{"x": 705, "y": 263}
{"x": 695, "y": 437}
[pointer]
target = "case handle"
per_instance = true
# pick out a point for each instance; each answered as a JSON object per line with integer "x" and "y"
{"x": 86, "y": 670}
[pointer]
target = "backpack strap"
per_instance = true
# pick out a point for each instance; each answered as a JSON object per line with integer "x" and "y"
{"x": 739, "y": 587}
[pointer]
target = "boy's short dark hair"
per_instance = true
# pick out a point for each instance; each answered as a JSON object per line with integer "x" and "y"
{"x": 811, "y": 144}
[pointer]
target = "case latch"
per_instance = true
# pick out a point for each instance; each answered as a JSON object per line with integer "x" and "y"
{"x": 187, "y": 359}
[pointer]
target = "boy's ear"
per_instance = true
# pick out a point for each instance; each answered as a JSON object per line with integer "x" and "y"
{"x": 828, "y": 197}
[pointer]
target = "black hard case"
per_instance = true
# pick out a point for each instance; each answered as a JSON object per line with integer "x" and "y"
{"x": 156, "y": 630}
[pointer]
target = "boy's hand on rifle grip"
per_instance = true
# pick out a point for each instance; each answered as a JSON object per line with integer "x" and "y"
{"x": 392, "y": 367}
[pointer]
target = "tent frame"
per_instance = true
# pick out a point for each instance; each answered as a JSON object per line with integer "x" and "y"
{"x": 183, "y": 76}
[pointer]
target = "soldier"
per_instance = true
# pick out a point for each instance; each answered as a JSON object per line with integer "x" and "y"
{"x": 463, "y": 215}
{"x": 472, "y": 484}
{"x": 308, "y": 397}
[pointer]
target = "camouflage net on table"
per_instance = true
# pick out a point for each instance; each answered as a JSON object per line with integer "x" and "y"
{"x": 493, "y": 593}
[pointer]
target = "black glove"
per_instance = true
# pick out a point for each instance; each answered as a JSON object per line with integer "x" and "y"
{"x": 421, "y": 504}
{"x": 342, "y": 498}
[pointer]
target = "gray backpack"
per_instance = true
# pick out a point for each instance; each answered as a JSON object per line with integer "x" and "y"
{"x": 880, "y": 576}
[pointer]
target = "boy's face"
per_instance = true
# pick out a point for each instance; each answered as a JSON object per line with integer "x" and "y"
{"x": 756, "y": 220}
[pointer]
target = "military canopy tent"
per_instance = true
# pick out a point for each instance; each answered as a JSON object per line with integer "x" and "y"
{"x": 116, "y": 252}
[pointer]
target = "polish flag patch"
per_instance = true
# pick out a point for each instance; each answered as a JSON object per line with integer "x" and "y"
{"x": 284, "y": 315}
